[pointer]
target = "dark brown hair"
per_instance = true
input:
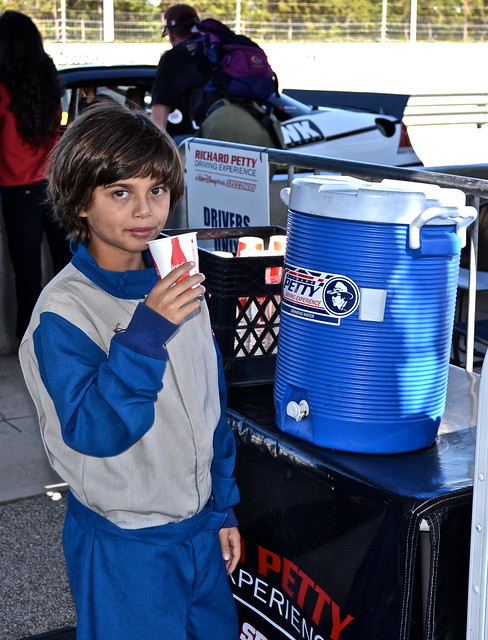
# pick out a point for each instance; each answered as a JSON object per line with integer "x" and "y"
{"x": 30, "y": 78}
{"x": 105, "y": 144}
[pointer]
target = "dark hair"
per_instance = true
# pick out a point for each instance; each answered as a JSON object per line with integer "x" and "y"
{"x": 30, "y": 78}
{"x": 108, "y": 142}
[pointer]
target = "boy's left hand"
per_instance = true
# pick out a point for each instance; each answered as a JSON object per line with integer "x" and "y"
{"x": 230, "y": 541}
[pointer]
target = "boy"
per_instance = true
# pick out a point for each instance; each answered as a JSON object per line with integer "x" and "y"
{"x": 131, "y": 397}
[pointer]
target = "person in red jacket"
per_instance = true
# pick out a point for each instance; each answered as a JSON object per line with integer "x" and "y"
{"x": 30, "y": 110}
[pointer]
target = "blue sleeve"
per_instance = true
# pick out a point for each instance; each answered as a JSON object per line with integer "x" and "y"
{"x": 105, "y": 403}
{"x": 224, "y": 487}
{"x": 231, "y": 520}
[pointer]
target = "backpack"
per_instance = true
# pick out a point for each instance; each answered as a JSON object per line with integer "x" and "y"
{"x": 239, "y": 67}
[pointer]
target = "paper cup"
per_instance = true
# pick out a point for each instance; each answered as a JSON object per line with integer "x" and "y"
{"x": 277, "y": 243}
{"x": 172, "y": 251}
{"x": 273, "y": 275}
{"x": 250, "y": 246}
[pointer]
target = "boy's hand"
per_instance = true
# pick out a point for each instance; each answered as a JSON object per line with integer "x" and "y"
{"x": 177, "y": 300}
{"x": 230, "y": 541}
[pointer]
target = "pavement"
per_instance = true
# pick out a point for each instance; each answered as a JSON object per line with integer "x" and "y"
{"x": 34, "y": 592}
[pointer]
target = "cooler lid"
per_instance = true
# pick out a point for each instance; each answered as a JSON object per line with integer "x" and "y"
{"x": 387, "y": 202}
{"x": 449, "y": 197}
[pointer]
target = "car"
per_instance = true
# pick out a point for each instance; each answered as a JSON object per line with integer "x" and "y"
{"x": 346, "y": 132}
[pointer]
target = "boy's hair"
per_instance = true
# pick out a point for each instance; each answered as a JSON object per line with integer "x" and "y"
{"x": 107, "y": 143}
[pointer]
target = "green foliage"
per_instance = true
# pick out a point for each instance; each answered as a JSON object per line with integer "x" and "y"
{"x": 267, "y": 20}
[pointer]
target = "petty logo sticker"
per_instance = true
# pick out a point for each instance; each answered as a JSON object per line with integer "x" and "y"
{"x": 317, "y": 296}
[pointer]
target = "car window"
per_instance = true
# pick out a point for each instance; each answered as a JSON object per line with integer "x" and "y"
{"x": 75, "y": 99}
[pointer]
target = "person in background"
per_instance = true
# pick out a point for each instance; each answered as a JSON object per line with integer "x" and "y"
{"x": 131, "y": 395}
{"x": 30, "y": 112}
{"x": 182, "y": 72}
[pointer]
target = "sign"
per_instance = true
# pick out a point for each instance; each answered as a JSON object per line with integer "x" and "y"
{"x": 277, "y": 599}
{"x": 226, "y": 187}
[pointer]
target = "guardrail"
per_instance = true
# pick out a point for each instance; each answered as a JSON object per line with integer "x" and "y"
{"x": 474, "y": 188}
{"x": 445, "y": 109}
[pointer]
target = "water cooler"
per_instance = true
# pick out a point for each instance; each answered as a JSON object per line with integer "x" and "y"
{"x": 369, "y": 293}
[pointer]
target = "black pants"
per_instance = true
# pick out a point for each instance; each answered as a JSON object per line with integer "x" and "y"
{"x": 26, "y": 217}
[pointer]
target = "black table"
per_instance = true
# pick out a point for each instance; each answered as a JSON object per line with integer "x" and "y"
{"x": 350, "y": 546}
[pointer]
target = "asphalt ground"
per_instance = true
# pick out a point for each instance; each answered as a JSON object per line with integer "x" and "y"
{"x": 34, "y": 592}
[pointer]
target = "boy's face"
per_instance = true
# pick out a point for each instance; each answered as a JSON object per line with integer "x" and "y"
{"x": 122, "y": 218}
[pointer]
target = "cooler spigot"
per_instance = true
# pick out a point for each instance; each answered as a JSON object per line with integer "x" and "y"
{"x": 297, "y": 410}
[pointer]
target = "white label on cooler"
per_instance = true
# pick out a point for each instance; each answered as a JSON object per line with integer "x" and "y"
{"x": 372, "y": 305}
{"x": 318, "y": 296}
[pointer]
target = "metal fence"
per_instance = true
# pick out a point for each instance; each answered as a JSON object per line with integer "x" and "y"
{"x": 83, "y": 26}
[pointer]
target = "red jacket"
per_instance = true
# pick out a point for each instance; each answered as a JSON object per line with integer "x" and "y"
{"x": 19, "y": 162}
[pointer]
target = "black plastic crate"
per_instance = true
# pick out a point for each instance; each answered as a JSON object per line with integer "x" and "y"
{"x": 244, "y": 308}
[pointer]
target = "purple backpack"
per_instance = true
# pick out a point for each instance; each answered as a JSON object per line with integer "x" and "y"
{"x": 240, "y": 68}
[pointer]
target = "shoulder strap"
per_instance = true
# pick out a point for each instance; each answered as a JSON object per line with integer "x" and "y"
{"x": 263, "y": 116}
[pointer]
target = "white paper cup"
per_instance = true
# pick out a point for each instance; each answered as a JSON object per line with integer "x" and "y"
{"x": 172, "y": 251}
{"x": 250, "y": 246}
{"x": 273, "y": 275}
{"x": 277, "y": 243}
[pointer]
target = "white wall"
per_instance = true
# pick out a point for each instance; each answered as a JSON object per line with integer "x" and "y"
{"x": 413, "y": 68}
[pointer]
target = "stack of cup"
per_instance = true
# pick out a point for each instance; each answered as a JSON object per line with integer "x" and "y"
{"x": 277, "y": 247}
{"x": 254, "y": 246}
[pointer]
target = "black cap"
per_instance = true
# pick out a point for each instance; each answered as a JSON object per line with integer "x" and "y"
{"x": 179, "y": 15}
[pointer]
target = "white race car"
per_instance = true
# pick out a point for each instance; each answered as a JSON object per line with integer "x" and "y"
{"x": 349, "y": 133}
{"x": 345, "y": 125}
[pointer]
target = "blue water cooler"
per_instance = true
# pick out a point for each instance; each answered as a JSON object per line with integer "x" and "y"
{"x": 369, "y": 292}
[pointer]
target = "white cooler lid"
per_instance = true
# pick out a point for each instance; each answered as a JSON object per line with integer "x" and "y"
{"x": 388, "y": 202}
